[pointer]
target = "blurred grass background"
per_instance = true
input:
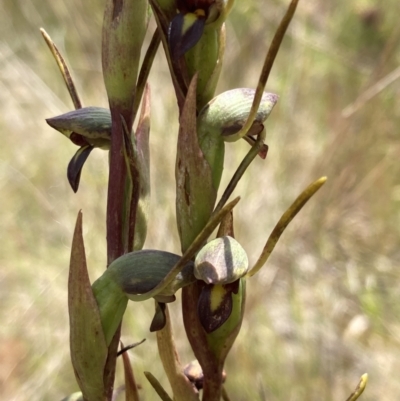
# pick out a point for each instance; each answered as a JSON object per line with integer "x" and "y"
{"x": 326, "y": 307}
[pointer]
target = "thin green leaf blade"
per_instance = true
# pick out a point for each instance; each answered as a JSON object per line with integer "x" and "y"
{"x": 359, "y": 389}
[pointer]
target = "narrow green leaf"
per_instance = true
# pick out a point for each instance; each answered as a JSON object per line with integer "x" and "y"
{"x": 284, "y": 221}
{"x": 62, "y": 65}
{"x": 130, "y": 346}
{"x": 141, "y": 85}
{"x": 87, "y": 342}
{"x": 157, "y": 386}
{"x": 267, "y": 67}
{"x": 359, "y": 389}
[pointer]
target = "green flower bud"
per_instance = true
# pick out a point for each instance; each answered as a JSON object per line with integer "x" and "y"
{"x": 92, "y": 124}
{"x": 89, "y": 128}
{"x": 224, "y": 116}
{"x": 137, "y": 273}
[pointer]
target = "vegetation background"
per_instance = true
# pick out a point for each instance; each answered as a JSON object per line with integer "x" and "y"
{"x": 326, "y": 307}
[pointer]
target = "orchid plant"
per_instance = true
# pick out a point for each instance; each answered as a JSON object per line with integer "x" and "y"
{"x": 211, "y": 273}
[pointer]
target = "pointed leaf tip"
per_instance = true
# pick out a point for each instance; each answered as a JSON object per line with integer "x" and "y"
{"x": 359, "y": 389}
{"x": 284, "y": 221}
{"x": 87, "y": 343}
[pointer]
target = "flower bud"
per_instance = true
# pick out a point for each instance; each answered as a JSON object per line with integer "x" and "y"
{"x": 131, "y": 276}
{"x": 93, "y": 124}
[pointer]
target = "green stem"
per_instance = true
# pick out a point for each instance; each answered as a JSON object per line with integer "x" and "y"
{"x": 145, "y": 70}
{"x": 157, "y": 386}
{"x": 251, "y": 155}
{"x": 212, "y": 367}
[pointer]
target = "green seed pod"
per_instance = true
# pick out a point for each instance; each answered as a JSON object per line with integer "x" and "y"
{"x": 221, "y": 261}
{"x": 132, "y": 275}
{"x": 92, "y": 123}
